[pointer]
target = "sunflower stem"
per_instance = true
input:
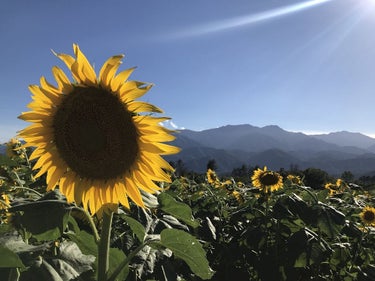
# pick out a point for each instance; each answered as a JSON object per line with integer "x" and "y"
{"x": 28, "y": 189}
{"x": 91, "y": 223}
{"x": 125, "y": 262}
{"x": 103, "y": 248}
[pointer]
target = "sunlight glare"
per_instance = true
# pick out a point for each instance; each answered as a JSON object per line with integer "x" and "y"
{"x": 250, "y": 19}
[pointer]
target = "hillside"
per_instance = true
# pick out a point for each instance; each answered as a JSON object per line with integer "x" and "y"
{"x": 234, "y": 145}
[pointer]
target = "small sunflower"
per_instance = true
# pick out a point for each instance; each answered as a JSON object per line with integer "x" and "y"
{"x": 4, "y": 202}
{"x": 267, "y": 180}
{"x": 339, "y": 182}
{"x": 337, "y": 187}
{"x": 238, "y": 196}
{"x": 332, "y": 188}
{"x": 211, "y": 177}
{"x": 13, "y": 149}
{"x": 92, "y": 138}
{"x": 228, "y": 182}
{"x": 294, "y": 179}
{"x": 368, "y": 215}
{"x": 4, "y": 205}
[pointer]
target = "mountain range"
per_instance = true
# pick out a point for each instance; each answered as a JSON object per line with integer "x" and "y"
{"x": 232, "y": 146}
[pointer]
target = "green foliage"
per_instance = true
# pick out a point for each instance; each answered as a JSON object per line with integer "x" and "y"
{"x": 296, "y": 233}
{"x": 35, "y": 218}
{"x": 9, "y": 259}
{"x": 192, "y": 231}
{"x": 186, "y": 247}
{"x": 315, "y": 178}
{"x": 177, "y": 209}
{"x": 45, "y": 238}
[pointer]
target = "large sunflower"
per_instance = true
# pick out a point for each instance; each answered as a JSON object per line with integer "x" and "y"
{"x": 267, "y": 180}
{"x": 91, "y": 138}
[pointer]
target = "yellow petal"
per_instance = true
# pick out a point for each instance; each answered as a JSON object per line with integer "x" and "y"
{"x": 44, "y": 168}
{"x": 120, "y": 78}
{"x": 54, "y": 175}
{"x": 155, "y": 172}
{"x": 38, "y": 138}
{"x": 37, "y": 153}
{"x": 79, "y": 189}
{"x": 155, "y": 160}
{"x": 132, "y": 90}
{"x": 49, "y": 87}
{"x": 33, "y": 116}
{"x": 62, "y": 80}
{"x": 159, "y": 148}
{"x": 149, "y": 121}
{"x": 86, "y": 195}
{"x": 121, "y": 194}
{"x": 77, "y": 73}
{"x": 155, "y": 137}
{"x": 66, "y": 185}
{"x": 51, "y": 185}
{"x": 133, "y": 192}
{"x": 94, "y": 200}
{"x": 46, "y": 157}
{"x": 39, "y": 95}
{"x": 63, "y": 187}
{"x": 109, "y": 69}
{"x": 106, "y": 193}
{"x": 144, "y": 182}
{"x": 85, "y": 68}
{"x": 139, "y": 106}
{"x": 35, "y": 129}
{"x": 67, "y": 59}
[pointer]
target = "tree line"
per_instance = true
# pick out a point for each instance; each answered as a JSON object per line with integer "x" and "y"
{"x": 313, "y": 177}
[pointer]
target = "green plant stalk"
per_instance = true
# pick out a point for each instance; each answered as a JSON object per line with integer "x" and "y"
{"x": 28, "y": 189}
{"x": 127, "y": 260}
{"x": 91, "y": 222}
{"x": 103, "y": 247}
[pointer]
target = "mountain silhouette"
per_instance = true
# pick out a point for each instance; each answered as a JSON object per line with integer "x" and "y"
{"x": 271, "y": 146}
{"x": 234, "y": 145}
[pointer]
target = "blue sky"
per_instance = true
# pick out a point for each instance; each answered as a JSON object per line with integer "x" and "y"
{"x": 303, "y": 65}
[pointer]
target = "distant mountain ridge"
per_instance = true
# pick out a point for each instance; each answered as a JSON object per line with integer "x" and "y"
{"x": 234, "y": 145}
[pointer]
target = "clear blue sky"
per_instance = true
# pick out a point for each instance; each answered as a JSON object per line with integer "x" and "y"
{"x": 303, "y": 65}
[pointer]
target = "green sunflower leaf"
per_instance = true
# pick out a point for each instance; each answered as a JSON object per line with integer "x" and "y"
{"x": 187, "y": 248}
{"x": 330, "y": 221}
{"x": 177, "y": 209}
{"x": 116, "y": 257}
{"x": 85, "y": 241}
{"x": 6, "y": 161}
{"x": 137, "y": 228}
{"x": 9, "y": 259}
{"x": 35, "y": 216}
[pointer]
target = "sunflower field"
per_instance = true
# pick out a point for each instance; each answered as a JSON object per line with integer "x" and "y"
{"x": 87, "y": 195}
{"x": 198, "y": 227}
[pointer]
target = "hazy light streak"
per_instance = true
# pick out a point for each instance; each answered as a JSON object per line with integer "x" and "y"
{"x": 327, "y": 41}
{"x": 250, "y": 19}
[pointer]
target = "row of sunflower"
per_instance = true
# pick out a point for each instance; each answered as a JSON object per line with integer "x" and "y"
{"x": 272, "y": 228}
{"x": 283, "y": 230}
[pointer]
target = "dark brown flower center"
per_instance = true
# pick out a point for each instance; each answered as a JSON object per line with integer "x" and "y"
{"x": 95, "y": 134}
{"x": 269, "y": 179}
{"x": 369, "y": 216}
